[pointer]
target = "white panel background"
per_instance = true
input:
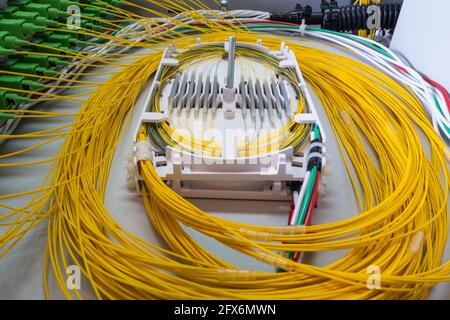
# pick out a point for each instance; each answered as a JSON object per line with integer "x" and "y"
{"x": 422, "y": 36}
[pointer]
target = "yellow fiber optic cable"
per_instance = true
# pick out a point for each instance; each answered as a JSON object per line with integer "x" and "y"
{"x": 402, "y": 193}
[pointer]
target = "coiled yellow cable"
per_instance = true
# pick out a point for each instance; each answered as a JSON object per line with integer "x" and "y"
{"x": 400, "y": 191}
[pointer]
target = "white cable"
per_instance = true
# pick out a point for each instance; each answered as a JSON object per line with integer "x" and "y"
{"x": 300, "y": 198}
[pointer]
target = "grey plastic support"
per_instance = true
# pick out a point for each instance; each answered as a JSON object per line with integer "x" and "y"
{"x": 198, "y": 93}
{"x": 178, "y": 101}
{"x": 231, "y": 62}
{"x": 215, "y": 95}
{"x": 174, "y": 91}
{"x": 285, "y": 94}
{"x": 261, "y": 100}
{"x": 243, "y": 93}
{"x": 278, "y": 102}
{"x": 206, "y": 97}
{"x": 191, "y": 92}
{"x": 269, "y": 98}
{"x": 253, "y": 98}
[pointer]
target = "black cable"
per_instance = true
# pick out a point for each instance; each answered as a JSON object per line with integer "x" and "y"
{"x": 342, "y": 19}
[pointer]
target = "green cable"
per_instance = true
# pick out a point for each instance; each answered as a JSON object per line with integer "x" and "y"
{"x": 305, "y": 203}
{"x": 440, "y": 110}
{"x": 309, "y": 191}
{"x": 316, "y": 132}
{"x": 307, "y": 199}
{"x": 310, "y": 187}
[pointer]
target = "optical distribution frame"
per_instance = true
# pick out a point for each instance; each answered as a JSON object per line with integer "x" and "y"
{"x": 237, "y": 105}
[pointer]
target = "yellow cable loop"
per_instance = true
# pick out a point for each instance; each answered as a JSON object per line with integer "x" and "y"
{"x": 402, "y": 194}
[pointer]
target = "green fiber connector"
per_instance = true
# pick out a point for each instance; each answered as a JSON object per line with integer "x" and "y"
{"x": 30, "y": 28}
{"x": 86, "y": 33}
{"x": 21, "y": 5}
{"x": 91, "y": 15}
{"x": 6, "y": 52}
{"x": 82, "y": 43}
{"x": 42, "y": 21}
{"x": 58, "y": 62}
{"x": 66, "y": 40}
{"x": 30, "y": 68}
{"x": 99, "y": 4}
{"x": 115, "y": 3}
{"x": 6, "y": 116}
{"x": 93, "y": 26}
{"x": 79, "y": 34}
{"x": 19, "y": 27}
{"x": 87, "y": 24}
{"x": 32, "y": 17}
{"x": 8, "y": 11}
{"x": 53, "y": 47}
{"x": 8, "y": 64}
{"x": 8, "y": 98}
{"x": 10, "y": 42}
{"x": 46, "y": 72}
{"x": 56, "y": 13}
{"x": 19, "y": 82}
{"x": 64, "y": 4}
{"x": 59, "y": 4}
{"x": 42, "y": 60}
{"x": 99, "y": 12}
{"x": 45, "y": 10}
{"x": 11, "y": 97}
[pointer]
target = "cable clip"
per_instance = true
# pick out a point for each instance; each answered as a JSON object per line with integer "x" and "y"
{"x": 143, "y": 151}
{"x": 290, "y": 230}
{"x": 392, "y": 128}
{"x": 302, "y": 27}
{"x": 256, "y": 235}
{"x": 416, "y": 242}
{"x": 345, "y": 118}
{"x": 316, "y": 145}
{"x": 235, "y": 275}
{"x": 314, "y": 155}
{"x": 447, "y": 153}
{"x": 277, "y": 261}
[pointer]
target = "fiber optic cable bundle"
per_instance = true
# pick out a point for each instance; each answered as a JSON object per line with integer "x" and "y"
{"x": 401, "y": 191}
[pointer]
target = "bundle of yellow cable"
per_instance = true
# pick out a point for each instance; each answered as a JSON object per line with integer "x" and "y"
{"x": 402, "y": 192}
